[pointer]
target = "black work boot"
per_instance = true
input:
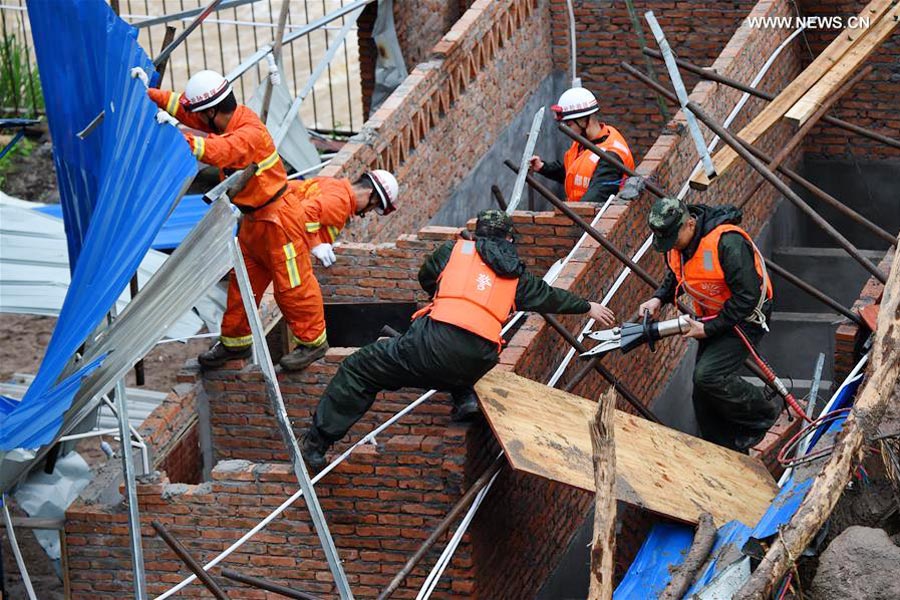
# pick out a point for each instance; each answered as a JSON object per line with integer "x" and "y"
{"x": 465, "y": 405}
{"x": 219, "y": 354}
{"x": 313, "y": 446}
{"x": 302, "y": 357}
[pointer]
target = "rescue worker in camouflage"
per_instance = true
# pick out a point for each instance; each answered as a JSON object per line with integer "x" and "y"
{"x": 716, "y": 263}
{"x": 453, "y": 341}
{"x": 285, "y": 222}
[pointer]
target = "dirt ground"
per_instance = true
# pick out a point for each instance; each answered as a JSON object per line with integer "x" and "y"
{"x": 33, "y": 177}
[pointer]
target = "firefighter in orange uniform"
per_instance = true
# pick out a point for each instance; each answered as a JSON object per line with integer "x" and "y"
{"x": 452, "y": 342}
{"x": 585, "y": 176}
{"x": 284, "y": 222}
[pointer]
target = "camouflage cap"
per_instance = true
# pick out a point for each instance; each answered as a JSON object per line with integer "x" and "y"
{"x": 666, "y": 217}
{"x": 493, "y": 223}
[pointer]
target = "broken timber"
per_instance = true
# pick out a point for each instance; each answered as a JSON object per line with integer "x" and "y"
{"x": 773, "y": 112}
{"x": 659, "y": 469}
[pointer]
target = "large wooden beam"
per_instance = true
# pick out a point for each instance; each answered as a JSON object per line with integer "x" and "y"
{"x": 659, "y": 469}
{"x": 881, "y": 389}
{"x": 844, "y": 69}
{"x": 602, "y": 432}
{"x": 772, "y": 113}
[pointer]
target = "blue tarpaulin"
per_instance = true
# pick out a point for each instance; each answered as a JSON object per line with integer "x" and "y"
{"x": 85, "y": 55}
{"x": 187, "y": 214}
{"x": 665, "y": 547}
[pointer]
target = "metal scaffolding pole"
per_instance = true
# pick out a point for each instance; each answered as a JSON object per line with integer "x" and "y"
{"x": 740, "y": 147}
{"x": 264, "y": 359}
{"x": 711, "y": 75}
{"x": 11, "y": 533}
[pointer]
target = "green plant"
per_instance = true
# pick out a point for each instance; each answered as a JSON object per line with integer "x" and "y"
{"x": 20, "y": 150}
{"x": 20, "y": 86}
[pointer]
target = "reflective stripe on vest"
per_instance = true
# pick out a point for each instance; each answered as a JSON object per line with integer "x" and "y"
{"x": 471, "y": 296}
{"x": 581, "y": 163}
{"x": 703, "y": 279}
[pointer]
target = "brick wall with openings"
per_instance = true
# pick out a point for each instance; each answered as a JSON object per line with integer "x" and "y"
{"x": 696, "y": 30}
{"x": 849, "y": 337}
{"x": 385, "y": 500}
{"x": 442, "y": 119}
{"x": 872, "y": 103}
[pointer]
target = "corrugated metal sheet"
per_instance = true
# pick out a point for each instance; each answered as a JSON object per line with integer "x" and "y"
{"x": 34, "y": 270}
{"x": 142, "y": 168}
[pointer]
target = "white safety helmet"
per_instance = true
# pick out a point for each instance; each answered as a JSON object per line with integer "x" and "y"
{"x": 575, "y": 103}
{"x": 204, "y": 90}
{"x": 387, "y": 188}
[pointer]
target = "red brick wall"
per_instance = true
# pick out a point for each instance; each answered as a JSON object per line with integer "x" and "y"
{"x": 696, "y": 30}
{"x": 872, "y": 103}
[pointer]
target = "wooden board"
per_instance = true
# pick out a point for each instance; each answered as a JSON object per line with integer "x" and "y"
{"x": 844, "y": 69}
{"x": 775, "y": 110}
{"x": 544, "y": 431}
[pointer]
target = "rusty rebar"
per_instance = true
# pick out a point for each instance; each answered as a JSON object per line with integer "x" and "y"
{"x": 711, "y": 75}
{"x": 442, "y": 527}
{"x": 789, "y": 173}
{"x": 195, "y": 567}
{"x": 498, "y": 196}
{"x": 740, "y": 147}
{"x": 269, "y": 586}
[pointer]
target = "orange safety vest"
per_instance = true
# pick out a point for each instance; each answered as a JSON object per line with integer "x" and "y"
{"x": 471, "y": 296}
{"x": 703, "y": 279}
{"x": 581, "y": 163}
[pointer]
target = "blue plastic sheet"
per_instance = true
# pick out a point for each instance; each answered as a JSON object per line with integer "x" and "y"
{"x": 665, "y": 547}
{"x": 186, "y": 215}
{"x": 142, "y": 168}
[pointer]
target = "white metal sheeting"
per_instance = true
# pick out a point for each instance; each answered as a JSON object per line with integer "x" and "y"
{"x": 34, "y": 270}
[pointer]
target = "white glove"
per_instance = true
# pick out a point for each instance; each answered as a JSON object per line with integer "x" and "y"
{"x": 274, "y": 74}
{"x": 325, "y": 254}
{"x": 139, "y": 73}
{"x": 162, "y": 117}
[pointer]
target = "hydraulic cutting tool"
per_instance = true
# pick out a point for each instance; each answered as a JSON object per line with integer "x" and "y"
{"x": 631, "y": 335}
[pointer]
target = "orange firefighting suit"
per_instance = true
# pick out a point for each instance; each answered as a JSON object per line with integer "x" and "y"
{"x": 282, "y": 221}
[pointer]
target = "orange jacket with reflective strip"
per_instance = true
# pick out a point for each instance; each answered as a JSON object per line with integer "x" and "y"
{"x": 702, "y": 277}
{"x": 471, "y": 296}
{"x": 328, "y": 203}
{"x": 245, "y": 140}
{"x": 581, "y": 163}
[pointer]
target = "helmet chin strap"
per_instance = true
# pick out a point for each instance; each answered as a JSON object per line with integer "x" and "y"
{"x": 211, "y": 122}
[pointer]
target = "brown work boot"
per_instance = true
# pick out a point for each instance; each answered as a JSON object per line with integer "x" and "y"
{"x": 219, "y": 354}
{"x": 302, "y": 357}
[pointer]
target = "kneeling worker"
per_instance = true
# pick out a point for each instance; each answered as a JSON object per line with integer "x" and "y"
{"x": 585, "y": 176}
{"x": 283, "y": 224}
{"x": 452, "y": 342}
{"x": 715, "y": 262}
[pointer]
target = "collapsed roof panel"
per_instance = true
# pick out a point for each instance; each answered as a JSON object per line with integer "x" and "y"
{"x": 132, "y": 188}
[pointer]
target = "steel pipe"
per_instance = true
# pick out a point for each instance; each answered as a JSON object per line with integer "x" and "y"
{"x": 789, "y": 173}
{"x": 442, "y": 527}
{"x": 498, "y": 196}
{"x": 182, "y": 553}
{"x": 269, "y": 586}
{"x": 740, "y": 147}
{"x": 733, "y": 83}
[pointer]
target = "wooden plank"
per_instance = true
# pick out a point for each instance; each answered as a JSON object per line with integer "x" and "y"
{"x": 544, "y": 431}
{"x": 775, "y": 110}
{"x": 844, "y": 69}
